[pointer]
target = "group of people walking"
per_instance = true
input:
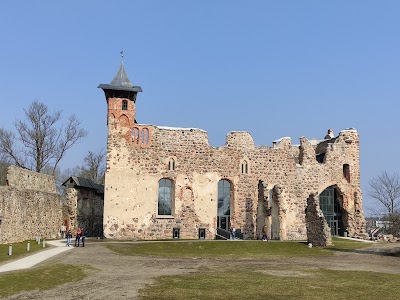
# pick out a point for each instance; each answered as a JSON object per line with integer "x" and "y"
{"x": 80, "y": 237}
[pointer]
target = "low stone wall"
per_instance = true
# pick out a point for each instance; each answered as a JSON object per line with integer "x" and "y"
{"x": 27, "y": 213}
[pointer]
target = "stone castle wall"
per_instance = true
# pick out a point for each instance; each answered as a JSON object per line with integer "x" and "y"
{"x": 288, "y": 173}
{"x": 25, "y": 210}
{"x": 30, "y": 180}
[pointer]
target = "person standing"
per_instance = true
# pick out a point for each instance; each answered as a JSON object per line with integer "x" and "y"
{"x": 69, "y": 237}
{"x": 78, "y": 236}
{"x": 83, "y": 238}
{"x": 233, "y": 233}
{"x": 264, "y": 232}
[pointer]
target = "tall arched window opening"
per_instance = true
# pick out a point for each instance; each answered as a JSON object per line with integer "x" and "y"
{"x": 135, "y": 135}
{"x": 145, "y": 136}
{"x": 165, "y": 197}
{"x": 330, "y": 206}
{"x": 224, "y": 204}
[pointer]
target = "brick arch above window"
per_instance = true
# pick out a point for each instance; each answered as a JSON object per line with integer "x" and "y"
{"x": 123, "y": 121}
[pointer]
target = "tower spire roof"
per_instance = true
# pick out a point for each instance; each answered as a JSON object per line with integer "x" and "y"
{"x": 121, "y": 81}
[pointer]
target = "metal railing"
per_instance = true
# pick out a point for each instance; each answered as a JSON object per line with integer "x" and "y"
{"x": 223, "y": 234}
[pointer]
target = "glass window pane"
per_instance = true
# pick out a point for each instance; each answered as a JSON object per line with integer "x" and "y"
{"x": 224, "y": 190}
{"x": 165, "y": 197}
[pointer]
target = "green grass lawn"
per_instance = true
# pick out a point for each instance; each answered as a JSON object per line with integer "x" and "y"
{"x": 238, "y": 249}
{"x": 42, "y": 278}
{"x": 256, "y": 284}
{"x": 19, "y": 250}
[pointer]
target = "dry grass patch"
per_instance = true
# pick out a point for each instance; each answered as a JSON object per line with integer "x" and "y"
{"x": 247, "y": 284}
{"x": 41, "y": 278}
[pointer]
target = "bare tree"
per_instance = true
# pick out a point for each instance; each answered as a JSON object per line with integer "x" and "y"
{"x": 3, "y": 170}
{"x": 385, "y": 188}
{"x": 40, "y": 141}
{"x": 94, "y": 166}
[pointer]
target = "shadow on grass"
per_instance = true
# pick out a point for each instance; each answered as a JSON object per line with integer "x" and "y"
{"x": 377, "y": 251}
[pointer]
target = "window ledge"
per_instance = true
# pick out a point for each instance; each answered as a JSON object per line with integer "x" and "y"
{"x": 165, "y": 217}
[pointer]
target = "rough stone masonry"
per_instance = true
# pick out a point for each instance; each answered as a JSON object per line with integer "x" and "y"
{"x": 29, "y": 206}
{"x": 165, "y": 182}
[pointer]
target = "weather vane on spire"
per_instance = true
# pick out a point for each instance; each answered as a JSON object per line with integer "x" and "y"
{"x": 122, "y": 55}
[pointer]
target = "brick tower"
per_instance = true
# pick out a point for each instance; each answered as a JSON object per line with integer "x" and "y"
{"x": 121, "y": 97}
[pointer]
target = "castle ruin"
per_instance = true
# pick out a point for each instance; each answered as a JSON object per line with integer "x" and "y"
{"x": 167, "y": 182}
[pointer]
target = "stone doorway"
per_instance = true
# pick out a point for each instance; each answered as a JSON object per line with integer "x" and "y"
{"x": 331, "y": 204}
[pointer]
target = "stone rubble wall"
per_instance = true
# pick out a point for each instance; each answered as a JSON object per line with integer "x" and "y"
{"x": 318, "y": 231}
{"x": 84, "y": 210}
{"x": 27, "y": 213}
{"x": 133, "y": 172}
{"x": 23, "y": 179}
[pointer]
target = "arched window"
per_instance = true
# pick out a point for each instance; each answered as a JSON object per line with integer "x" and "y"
{"x": 224, "y": 204}
{"x": 145, "y": 136}
{"x": 135, "y": 135}
{"x": 124, "y": 104}
{"x": 165, "y": 196}
{"x": 332, "y": 210}
{"x": 245, "y": 167}
{"x": 171, "y": 164}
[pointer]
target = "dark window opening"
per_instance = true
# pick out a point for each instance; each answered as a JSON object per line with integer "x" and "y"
{"x": 124, "y": 104}
{"x": 171, "y": 165}
{"x": 346, "y": 172}
{"x": 176, "y": 233}
{"x": 320, "y": 157}
{"x": 202, "y": 233}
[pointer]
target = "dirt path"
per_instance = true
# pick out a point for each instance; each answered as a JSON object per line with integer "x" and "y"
{"x": 113, "y": 276}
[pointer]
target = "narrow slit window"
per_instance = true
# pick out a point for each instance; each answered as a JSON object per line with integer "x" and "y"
{"x": 346, "y": 172}
{"x": 171, "y": 164}
{"x": 245, "y": 167}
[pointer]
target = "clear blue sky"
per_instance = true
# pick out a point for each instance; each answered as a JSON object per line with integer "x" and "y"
{"x": 273, "y": 68}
